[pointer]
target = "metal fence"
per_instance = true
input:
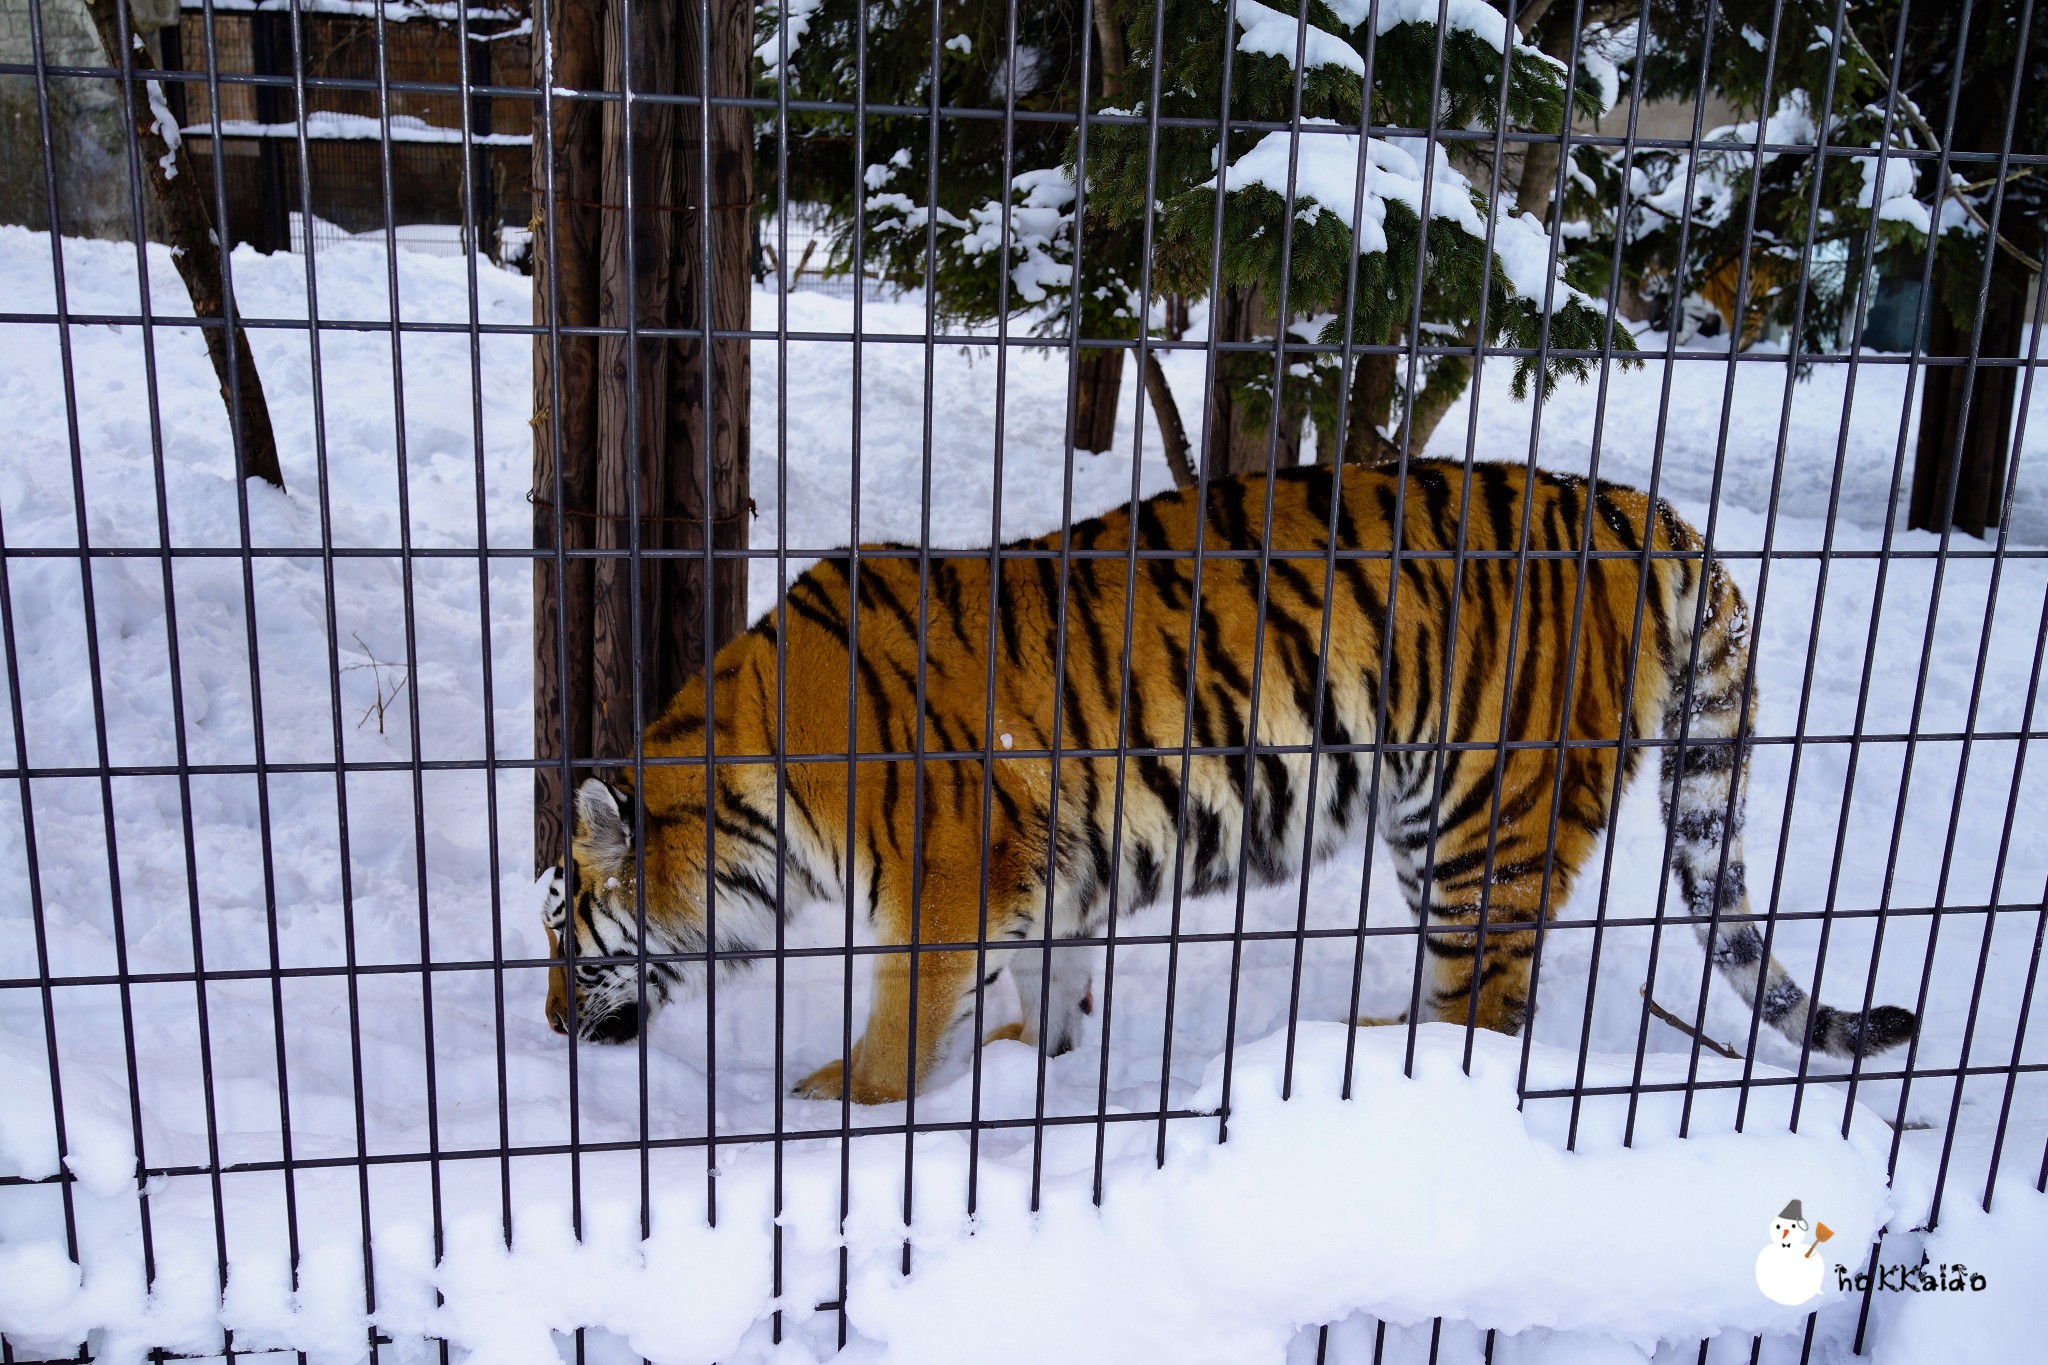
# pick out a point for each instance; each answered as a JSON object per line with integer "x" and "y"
{"x": 240, "y": 897}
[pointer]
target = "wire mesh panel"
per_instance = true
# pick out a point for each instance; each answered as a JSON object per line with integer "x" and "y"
{"x": 1020, "y": 679}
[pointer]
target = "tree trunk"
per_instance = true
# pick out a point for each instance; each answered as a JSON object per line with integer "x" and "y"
{"x": 1444, "y": 386}
{"x": 1098, "y": 384}
{"x": 1099, "y": 381}
{"x": 645, "y": 431}
{"x": 1172, "y": 434}
{"x": 1111, "y": 54}
{"x": 710, "y": 382}
{"x": 1371, "y": 402}
{"x": 635, "y": 260}
{"x": 1239, "y": 435}
{"x": 196, "y": 251}
{"x": 1554, "y": 33}
{"x": 567, "y": 188}
{"x": 1966, "y": 412}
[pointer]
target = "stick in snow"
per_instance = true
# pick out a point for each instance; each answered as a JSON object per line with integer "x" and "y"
{"x": 1687, "y": 1029}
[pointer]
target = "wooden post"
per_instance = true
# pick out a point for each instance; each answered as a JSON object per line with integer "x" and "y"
{"x": 633, "y": 374}
{"x": 708, "y": 432}
{"x": 195, "y": 249}
{"x": 567, "y": 189}
{"x": 1098, "y": 383}
{"x": 635, "y": 428}
{"x": 1966, "y": 415}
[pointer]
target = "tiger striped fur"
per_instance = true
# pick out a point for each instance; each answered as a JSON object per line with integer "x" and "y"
{"x": 1467, "y": 823}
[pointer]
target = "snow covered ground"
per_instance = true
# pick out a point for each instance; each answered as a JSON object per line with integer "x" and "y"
{"x": 1423, "y": 1196}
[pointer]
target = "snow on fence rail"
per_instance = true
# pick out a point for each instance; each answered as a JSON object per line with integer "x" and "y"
{"x": 280, "y": 764}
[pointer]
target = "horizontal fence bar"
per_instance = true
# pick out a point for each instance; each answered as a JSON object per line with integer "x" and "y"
{"x": 1881, "y": 359}
{"x": 741, "y": 956}
{"x": 1075, "y": 753}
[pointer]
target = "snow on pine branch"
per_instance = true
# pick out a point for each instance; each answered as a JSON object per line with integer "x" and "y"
{"x": 1041, "y": 222}
{"x": 792, "y": 20}
{"x": 1268, "y": 32}
{"x": 1040, "y": 236}
{"x": 1729, "y": 155}
{"x": 1273, "y": 33}
{"x": 1725, "y": 158}
{"x": 1894, "y": 200}
{"x": 1324, "y": 165}
{"x": 1475, "y": 17}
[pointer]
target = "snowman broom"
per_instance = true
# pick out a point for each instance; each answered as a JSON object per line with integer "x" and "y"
{"x": 1821, "y": 1232}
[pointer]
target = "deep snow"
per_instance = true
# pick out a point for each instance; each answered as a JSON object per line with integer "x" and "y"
{"x": 1424, "y": 1196}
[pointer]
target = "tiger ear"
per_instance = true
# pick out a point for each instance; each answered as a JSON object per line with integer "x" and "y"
{"x": 604, "y": 835}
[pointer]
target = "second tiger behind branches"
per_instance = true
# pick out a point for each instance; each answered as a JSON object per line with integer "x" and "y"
{"x": 1466, "y": 814}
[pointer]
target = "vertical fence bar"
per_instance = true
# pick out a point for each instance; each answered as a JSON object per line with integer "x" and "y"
{"x": 1206, "y": 460}
{"x": 1646, "y": 561}
{"x": 1685, "y": 741}
{"x": 780, "y": 1080}
{"x": 152, "y": 391}
{"x": 1061, "y": 634}
{"x": 409, "y": 620}
{"x": 1145, "y": 357}
{"x": 1825, "y": 565}
{"x": 853, "y": 572}
{"x": 995, "y": 599}
{"x": 2005, "y": 839}
{"x": 1917, "y": 361}
{"x": 1347, "y": 358}
{"x": 1760, "y": 601}
{"x": 89, "y": 627}
{"x": 1265, "y": 561}
{"x": 478, "y": 210}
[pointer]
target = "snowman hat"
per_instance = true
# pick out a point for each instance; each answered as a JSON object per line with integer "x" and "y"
{"x": 1793, "y": 1213}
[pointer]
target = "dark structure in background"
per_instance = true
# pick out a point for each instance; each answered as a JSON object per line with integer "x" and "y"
{"x": 379, "y": 66}
{"x": 641, "y": 223}
{"x": 411, "y": 47}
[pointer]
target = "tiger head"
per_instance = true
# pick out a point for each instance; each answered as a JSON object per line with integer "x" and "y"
{"x": 646, "y": 891}
{"x": 598, "y": 914}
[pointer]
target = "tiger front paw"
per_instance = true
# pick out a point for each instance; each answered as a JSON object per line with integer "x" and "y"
{"x": 828, "y": 1082}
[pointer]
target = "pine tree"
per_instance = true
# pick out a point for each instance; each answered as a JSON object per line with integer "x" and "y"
{"x": 1797, "y": 200}
{"x": 988, "y": 209}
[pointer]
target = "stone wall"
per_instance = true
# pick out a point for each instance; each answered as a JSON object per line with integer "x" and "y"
{"x": 86, "y": 126}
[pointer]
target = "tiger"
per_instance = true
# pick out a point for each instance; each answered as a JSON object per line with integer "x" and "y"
{"x": 1731, "y": 286}
{"x": 1273, "y": 700}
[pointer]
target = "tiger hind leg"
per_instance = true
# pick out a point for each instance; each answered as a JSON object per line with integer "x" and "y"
{"x": 1482, "y": 884}
{"x": 1484, "y": 954}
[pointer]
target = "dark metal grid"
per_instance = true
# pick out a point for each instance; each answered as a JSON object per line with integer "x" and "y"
{"x": 214, "y": 80}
